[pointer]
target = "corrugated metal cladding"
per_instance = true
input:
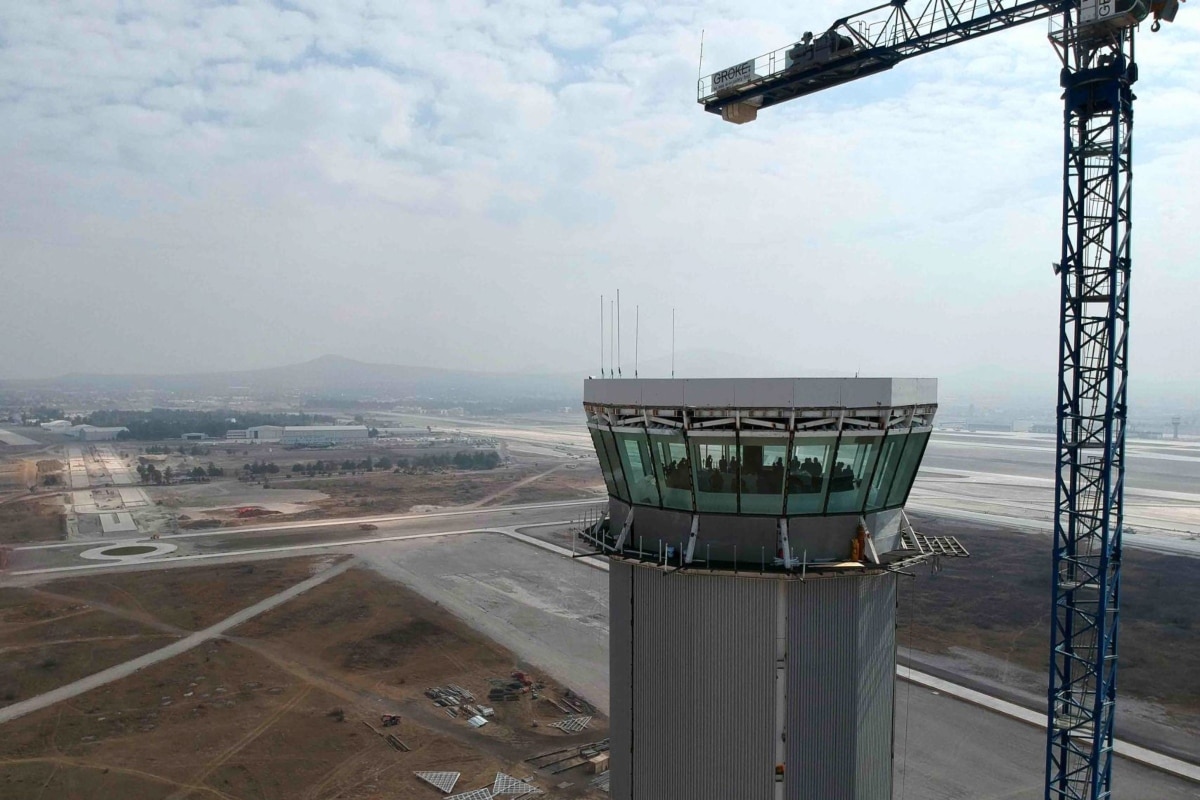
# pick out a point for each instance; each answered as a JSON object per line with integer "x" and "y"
{"x": 841, "y": 677}
{"x": 693, "y": 686}
{"x": 877, "y": 685}
{"x": 701, "y": 648}
{"x": 620, "y": 655}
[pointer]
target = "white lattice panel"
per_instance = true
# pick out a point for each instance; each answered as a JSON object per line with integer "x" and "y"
{"x": 507, "y": 784}
{"x": 442, "y": 780}
{"x": 572, "y": 724}
{"x": 479, "y": 794}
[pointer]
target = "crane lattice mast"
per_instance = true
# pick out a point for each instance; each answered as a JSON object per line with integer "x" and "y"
{"x": 1094, "y": 40}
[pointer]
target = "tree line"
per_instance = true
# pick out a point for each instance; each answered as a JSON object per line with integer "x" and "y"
{"x": 463, "y": 460}
{"x": 148, "y": 472}
{"x": 172, "y": 423}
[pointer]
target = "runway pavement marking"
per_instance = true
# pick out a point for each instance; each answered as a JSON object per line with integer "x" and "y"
{"x": 96, "y": 680}
{"x": 1132, "y": 452}
{"x": 929, "y": 474}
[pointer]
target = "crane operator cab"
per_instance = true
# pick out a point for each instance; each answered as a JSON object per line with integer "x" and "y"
{"x": 809, "y": 51}
{"x": 1104, "y": 15}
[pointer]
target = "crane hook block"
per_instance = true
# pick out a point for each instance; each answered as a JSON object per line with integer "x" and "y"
{"x": 1163, "y": 10}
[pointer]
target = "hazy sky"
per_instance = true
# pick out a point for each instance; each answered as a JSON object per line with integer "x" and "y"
{"x": 202, "y": 185}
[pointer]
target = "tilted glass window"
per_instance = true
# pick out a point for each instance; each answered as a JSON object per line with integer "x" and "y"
{"x": 885, "y": 472}
{"x": 907, "y": 471}
{"x": 610, "y": 447}
{"x": 715, "y": 473}
{"x": 639, "y": 468}
{"x": 808, "y": 472}
{"x": 602, "y": 457}
{"x": 674, "y": 470}
{"x": 852, "y": 469}
{"x": 762, "y": 461}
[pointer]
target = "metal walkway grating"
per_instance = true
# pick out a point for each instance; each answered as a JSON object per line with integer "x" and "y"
{"x": 947, "y": 546}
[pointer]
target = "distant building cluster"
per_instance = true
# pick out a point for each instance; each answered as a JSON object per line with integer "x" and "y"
{"x": 84, "y": 433}
{"x": 302, "y": 435}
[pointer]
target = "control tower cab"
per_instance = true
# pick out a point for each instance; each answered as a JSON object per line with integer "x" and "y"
{"x": 766, "y": 473}
{"x": 754, "y": 532}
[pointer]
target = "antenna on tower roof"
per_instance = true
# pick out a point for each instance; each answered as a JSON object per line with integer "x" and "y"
{"x": 672, "y": 342}
{"x": 601, "y": 336}
{"x": 618, "y": 333}
{"x": 636, "y": 327}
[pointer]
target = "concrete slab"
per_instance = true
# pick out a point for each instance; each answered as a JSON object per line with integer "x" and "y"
{"x": 15, "y": 439}
{"x": 132, "y": 497}
{"x": 551, "y": 611}
{"x": 83, "y": 502}
{"x": 117, "y": 523}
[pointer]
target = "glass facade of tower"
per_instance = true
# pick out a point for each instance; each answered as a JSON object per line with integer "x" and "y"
{"x": 760, "y": 473}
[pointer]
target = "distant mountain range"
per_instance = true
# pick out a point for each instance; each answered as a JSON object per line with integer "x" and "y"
{"x": 333, "y": 376}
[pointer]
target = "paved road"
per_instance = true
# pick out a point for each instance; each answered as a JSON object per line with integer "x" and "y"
{"x": 16, "y": 710}
{"x": 947, "y": 749}
{"x": 29, "y": 560}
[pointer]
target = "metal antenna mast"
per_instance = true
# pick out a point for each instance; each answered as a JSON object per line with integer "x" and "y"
{"x": 1094, "y": 40}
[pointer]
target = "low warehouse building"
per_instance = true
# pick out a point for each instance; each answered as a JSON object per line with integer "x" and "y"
{"x": 91, "y": 433}
{"x": 323, "y": 435}
{"x": 260, "y": 433}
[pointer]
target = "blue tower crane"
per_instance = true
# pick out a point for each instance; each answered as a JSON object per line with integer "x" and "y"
{"x": 1094, "y": 40}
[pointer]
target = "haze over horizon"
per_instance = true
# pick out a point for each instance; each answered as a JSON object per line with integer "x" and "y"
{"x": 216, "y": 188}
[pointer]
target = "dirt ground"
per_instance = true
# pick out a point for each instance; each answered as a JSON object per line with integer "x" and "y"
{"x": 16, "y": 475}
{"x": 388, "y": 493}
{"x": 187, "y": 599}
{"x": 36, "y": 518}
{"x": 572, "y": 481}
{"x": 998, "y": 602}
{"x": 277, "y": 708}
{"x": 47, "y": 641}
{"x": 381, "y": 492}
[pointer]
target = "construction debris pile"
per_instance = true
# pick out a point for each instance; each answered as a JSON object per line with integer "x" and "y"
{"x": 573, "y": 705}
{"x": 503, "y": 786}
{"x": 594, "y": 755}
{"x": 389, "y": 721}
{"x": 511, "y": 688}
{"x": 459, "y": 702}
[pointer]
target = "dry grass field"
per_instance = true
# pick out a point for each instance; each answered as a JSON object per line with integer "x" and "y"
{"x": 275, "y": 709}
{"x": 36, "y": 518}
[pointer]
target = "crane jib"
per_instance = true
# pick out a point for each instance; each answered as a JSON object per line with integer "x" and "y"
{"x": 862, "y": 45}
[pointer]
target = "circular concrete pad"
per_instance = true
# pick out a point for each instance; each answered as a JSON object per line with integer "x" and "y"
{"x": 133, "y": 552}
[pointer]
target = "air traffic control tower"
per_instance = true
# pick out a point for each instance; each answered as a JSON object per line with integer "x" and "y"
{"x": 754, "y": 534}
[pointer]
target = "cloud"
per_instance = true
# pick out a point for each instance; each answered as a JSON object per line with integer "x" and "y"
{"x": 473, "y": 175}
